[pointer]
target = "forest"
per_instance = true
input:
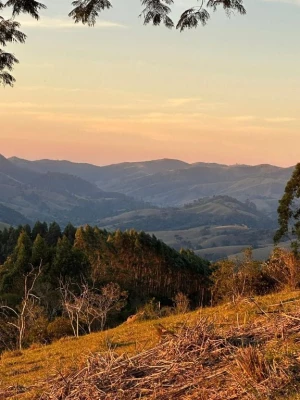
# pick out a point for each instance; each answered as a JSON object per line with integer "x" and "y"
{"x": 54, "y": 280}
{"x": 58, "y": 282}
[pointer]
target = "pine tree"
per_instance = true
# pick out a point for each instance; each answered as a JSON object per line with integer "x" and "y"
{"x": 70, "y": 232}
{"x": 40, "y": 251}
{"x": 54, "y": 233}
{"x": 40, "y": 228}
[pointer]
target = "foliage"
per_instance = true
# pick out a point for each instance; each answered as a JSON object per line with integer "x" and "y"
{"x": 58, "y": 328}
{"x": 289, "y": 211}
{"x": 284, "y": 268}
{"x": 151, "y": 310}
{"x": 234, "y": 279}
{"x": 182, "y": 303}
{"x": 96, "y": 271}
{"x": 87, "y": 11}
{"x": 25, "y": 313}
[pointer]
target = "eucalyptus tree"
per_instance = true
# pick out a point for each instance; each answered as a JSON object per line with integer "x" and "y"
{"x": 155, "y": 12}
{"x": 289, "y": 212}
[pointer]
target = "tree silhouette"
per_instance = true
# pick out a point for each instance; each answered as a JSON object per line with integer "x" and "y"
{"x": 155, "y": 12}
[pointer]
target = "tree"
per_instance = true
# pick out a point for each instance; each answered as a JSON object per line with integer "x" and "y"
{"x": 69, "y": 262}
{"x": 154, "y": 12}
{"x": 88, "y": 305}
{"x": 40, "y": 250}
{"x": 40, "y": 228}
{"x": 54, "y": 233}
{"x": 70, "y": 232}
{"x": 21, "y": 313}
{"x": 289, "y": 211}
{"x": 16, "y": 265}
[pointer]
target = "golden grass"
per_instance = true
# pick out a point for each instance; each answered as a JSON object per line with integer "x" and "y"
{"x": 38, "y": 363}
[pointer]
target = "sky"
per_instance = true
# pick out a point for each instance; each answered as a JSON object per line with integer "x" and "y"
{"x": 121, "y": 91}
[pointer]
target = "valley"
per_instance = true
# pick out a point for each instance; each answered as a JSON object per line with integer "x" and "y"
{"x": 216, "y": 210}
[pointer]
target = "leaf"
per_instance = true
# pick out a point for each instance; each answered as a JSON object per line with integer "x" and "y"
{"x": 86, "y": 11}
{"x": 191, "y": 18}
{"x": 31, "y": 7}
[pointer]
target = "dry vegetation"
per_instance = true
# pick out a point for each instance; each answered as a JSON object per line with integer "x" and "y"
{"x": 247, "y": 350}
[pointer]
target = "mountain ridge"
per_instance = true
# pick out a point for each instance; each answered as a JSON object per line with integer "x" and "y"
{"x": 171, "y": 182}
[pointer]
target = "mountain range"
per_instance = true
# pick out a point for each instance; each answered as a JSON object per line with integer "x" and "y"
{"x": 168, "y": 182}
{"x": 160, "y": 196}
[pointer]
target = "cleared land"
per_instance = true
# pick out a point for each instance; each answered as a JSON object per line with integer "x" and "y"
{"x": 247, "y": 350}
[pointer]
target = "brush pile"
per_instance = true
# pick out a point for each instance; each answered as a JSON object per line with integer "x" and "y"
{"x": 198, "y": 362}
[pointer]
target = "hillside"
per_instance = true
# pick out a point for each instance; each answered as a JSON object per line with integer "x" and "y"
{"x": 3, "y": 225}
{"x": 218, "y": 210}
{"x": 8, "y": 216}
{"x": 164, "y": 196}
{"x": 173, "y": 182}
{"x": 56, "y": 196}
{"x": 230, "y": 351}
{"x": 217, "y": 242}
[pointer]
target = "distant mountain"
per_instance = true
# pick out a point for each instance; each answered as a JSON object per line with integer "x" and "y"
{"x": 12, "y": 172}
{"x": 93, "y": 173}
{"x": 262, "y": 184}
{"x": 214, "y": 209}
{"x": 56, "y": 196}
{"x": 175, "y": 183}
{"x": 11, "y": 217}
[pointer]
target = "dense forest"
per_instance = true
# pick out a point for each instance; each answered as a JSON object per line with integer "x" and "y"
{"x": 46, "y": 272}
{"x": 58, "y": 282}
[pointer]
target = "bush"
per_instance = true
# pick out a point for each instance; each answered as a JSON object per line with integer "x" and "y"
{"x": 151, "y": 309}
{"x": 59, "y": 328}
{"x": 233, "y": 279}
{"x": 182, "y": 303}
{"x": 284, "y": 268}
{"x": 37, "y": 333}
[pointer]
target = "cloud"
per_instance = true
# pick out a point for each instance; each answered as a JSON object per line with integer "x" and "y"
{"x": 242, "y": 118}
{"x": 58, "y": 23}
{"x": 280, "y": 119}
{"x": 176, "y": 102}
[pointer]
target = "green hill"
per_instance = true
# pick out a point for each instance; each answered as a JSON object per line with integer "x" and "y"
{"x": 218, "y": 210}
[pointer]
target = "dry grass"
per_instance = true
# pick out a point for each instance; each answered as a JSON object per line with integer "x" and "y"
{"x": 198, "y": 359}
{"x": 225, "y": 352}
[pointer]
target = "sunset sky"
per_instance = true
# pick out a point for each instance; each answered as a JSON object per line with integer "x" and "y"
{"x": 227, "y": 93}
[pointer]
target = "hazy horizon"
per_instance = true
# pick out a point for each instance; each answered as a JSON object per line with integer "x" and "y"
{"x": 122, "y": 91}
{"x": 141, "y": 161}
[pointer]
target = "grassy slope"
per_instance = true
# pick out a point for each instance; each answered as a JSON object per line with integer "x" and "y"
{"x": 41, "y": 362}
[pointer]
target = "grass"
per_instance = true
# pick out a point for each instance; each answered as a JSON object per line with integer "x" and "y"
{"x": 24, "y": 370}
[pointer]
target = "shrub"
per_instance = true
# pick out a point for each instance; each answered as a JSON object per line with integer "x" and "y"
{"x": 59, "y": 328}
{"x": 182, "y": 303}
{"x": 284, "y": 267}
{"x": 235, "y": 278}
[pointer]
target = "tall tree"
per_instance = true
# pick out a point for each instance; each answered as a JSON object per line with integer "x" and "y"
{"x": 70, "y": 232}
{"x": 18, "y": 264}
{"x": 40, "y": 228}
{"x": 289, "y": 211}
{"x": 69, "y": 262}
{"x": 54, "y": 233}
{"x": 40, "y": 251}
